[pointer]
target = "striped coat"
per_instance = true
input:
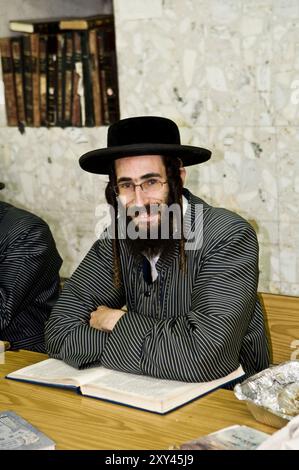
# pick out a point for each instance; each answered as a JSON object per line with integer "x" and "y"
{"x": 196, "y": 325}
{"x": 29, "y": 281}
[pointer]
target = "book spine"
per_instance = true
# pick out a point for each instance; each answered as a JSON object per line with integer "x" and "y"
{"x": 51, "y": 81}
{"x": 28, "y": 80}
{"x": 108, "y": 75}
{"x": 89, "y": 112}
{"x": 112, "y": 91}
{"x": 95, "y": 78}
{"x": 60, "y": 78}
{"x": 17, "y": 57}
{"x": 34, "y": 40}
{"x": 78, "y": 105}
{"x": 68, "y": 80}
{"x": 9, "y": 83}
{"x": 43, "y": 79}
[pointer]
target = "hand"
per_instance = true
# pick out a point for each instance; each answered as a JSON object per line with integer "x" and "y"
{"x": 105, "y": 318}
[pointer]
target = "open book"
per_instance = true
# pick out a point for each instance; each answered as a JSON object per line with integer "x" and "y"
{"x": 139, "y": 391}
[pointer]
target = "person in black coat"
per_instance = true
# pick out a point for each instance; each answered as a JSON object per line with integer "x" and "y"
{"x": 192, "y": 311}
{"x": 29, "y": 277}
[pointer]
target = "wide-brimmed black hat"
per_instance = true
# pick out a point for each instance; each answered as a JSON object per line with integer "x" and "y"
{"x": 145, "y": 135}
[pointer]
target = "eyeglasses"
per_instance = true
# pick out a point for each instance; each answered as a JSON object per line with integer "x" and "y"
{"x": 149, "y": 186}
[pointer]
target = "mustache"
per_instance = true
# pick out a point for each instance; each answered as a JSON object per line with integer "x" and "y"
{"x": 149, "y": 209}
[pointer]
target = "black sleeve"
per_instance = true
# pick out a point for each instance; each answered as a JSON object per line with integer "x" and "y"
{"x": 29, "y": 269}
{"x": 68, "y": 334}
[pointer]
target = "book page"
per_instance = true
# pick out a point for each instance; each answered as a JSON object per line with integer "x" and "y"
{"x": 56, "y": 372}
{"x": 150, "y": 388}
{"x": 139, "y": 385}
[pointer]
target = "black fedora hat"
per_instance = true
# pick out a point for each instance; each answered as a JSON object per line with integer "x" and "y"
{"x": 144, "y": 135}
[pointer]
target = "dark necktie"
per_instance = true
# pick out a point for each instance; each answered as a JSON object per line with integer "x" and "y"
{"x": 146, "y": 269}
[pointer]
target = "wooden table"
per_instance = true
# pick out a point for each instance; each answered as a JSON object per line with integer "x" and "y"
{"x": 77, "y": 422}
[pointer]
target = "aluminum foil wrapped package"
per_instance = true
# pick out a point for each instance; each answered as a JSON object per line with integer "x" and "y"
{"x": 272, "y": 395}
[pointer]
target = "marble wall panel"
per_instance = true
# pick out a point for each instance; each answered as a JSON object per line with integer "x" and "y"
{"x": 74, "y": 234}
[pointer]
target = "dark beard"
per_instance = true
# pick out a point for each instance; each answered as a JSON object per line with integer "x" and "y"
{"x": 152, "y": 246}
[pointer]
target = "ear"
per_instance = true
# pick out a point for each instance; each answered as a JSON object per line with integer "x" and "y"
{"x": 183, "y": 174}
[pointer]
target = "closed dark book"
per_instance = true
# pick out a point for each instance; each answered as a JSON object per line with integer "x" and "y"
{"x": 17, "y": 57}
{"x": 43, "y": 44}
{"x": 108, "y": 75}
{"x": 52, "y": 80}
{"x": 95, "y": 77}
{"x": 78, "y": 100}
{"x": 87, "y": 80}
{"x": 68, "y": 79}
{"x": 34, "y": 42}
{"x": 9, "y": 82}
{"x": 28, "y": 85}
{"x": 60, "y": 78}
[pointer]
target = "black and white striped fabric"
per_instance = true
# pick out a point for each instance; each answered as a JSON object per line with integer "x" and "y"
{"x": 29, "y": 279}
{"x": 196, "y": 325}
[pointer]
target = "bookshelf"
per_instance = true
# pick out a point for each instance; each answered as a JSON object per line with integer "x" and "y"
{"x": 59, "y": 75}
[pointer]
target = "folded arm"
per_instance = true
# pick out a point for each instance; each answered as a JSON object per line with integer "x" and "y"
{"x": 69, "y": 334}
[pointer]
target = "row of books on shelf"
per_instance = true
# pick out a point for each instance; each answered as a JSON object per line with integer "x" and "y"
{"x": 56, "y": 76}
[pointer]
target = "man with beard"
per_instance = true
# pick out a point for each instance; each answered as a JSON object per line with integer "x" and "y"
{"x": 192, "y": 311}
